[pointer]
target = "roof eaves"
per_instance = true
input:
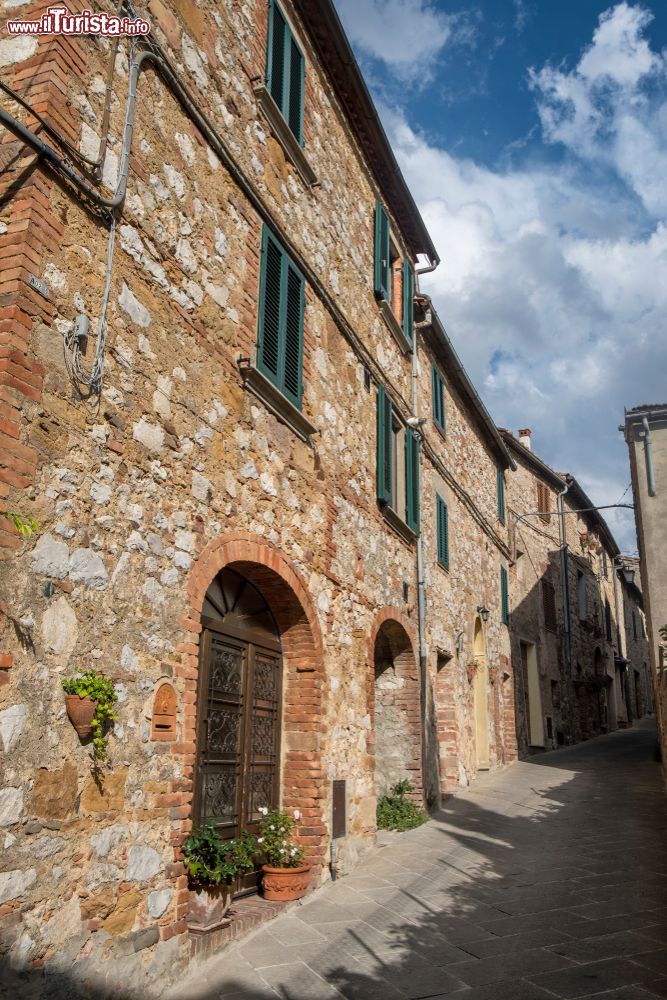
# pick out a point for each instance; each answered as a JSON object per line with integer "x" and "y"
{"x": 594, "y": 514}
{"x": 532, "y": 459}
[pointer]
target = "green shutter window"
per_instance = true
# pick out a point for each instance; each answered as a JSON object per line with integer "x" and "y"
{"x": 442, "y": 531}
{"x": 501, "y": 493}
{"x": 412, "y": 481}
{"x": 382, "y": 254}
{"x": 504, "y": 596}
{"x": 285, "y": 70}
{"x": 281, "y": 305}
{"x": 438, "y": 386}
{"x": 384, "y": 448}
{"x": 408, "y": 301}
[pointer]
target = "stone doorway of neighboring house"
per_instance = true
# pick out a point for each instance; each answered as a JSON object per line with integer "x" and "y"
{"x": 396, "y": 710}
{"x": 531, "y": 679}
{"x": 481, "y": 698}
{"x": 238, "y": 710}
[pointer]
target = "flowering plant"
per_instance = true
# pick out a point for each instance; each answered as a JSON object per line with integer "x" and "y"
{"x": 275, "y": 829}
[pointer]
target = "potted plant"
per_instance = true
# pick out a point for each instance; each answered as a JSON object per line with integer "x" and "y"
{"x": 90, "y": 700}
{"x": 285, "y": 875}
{"x": 213, "y": 865}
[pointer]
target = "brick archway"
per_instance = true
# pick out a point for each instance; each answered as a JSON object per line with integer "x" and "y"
{"x": 285, "y": 593}
{"x": 394, "y": 701}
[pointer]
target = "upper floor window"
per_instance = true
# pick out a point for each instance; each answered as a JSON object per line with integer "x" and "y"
{"x": 607, "y": 620}
{"x": 544, "y": 501}
{"x": 394, "y": 280}
{"x": 438, "y": 398}
{"x": 500, "y": 493}
{"x": 442, "y": 531}
{"x": 285, "y": 70}
{"x": 397, "y": 463}
{"x": 634, "y": 625}
{"x": 605, "y": 566}
{"x": 281, "y": 306}
{"x": 581, "y": 596}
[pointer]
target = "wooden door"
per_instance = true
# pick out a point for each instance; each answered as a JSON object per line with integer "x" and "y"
{"x": 238, "y": 717}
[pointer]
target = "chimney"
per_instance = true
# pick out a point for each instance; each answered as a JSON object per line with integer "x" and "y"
{"x": 524, "y": 437}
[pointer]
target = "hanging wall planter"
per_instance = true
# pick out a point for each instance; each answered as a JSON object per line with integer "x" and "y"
{"x": 81, "y": 712}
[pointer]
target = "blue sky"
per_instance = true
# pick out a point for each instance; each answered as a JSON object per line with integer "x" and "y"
{"x": 533, "y": 134}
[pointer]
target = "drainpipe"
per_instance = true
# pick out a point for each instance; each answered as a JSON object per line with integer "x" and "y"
{"x": 567, "y": 633}
{"x": 648, "y": 455}
{"x": 421, "y": 588}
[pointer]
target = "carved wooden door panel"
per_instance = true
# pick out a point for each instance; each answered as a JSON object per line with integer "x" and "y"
{"x": 238, "y": 739}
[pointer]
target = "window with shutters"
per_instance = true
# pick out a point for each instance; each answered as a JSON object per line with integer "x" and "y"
{"x": 504, "y": 596}
{"x": 438, "y": 398}
{"x": 281, "y": 305}
{"x": 607, "y": 620}
{"x": 549, "y": 605}
{"x": 544, "y": 502}
{"x": 442, "y": 531}
{"x": 285, "y": 71}
{"x": 394, "y": 282}
{"x": 500, "y": 491}
{"x": 397, "y": 465}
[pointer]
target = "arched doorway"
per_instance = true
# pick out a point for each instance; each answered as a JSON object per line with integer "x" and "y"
{"x": 238, "y": 709}
{"x": 396, "y": 710}
{"x": 480, "y": 695}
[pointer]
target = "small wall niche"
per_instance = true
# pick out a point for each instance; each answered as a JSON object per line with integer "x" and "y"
{"x": 163, "y": 719}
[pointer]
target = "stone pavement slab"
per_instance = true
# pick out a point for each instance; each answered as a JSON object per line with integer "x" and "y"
{"x": 545, "y": 880}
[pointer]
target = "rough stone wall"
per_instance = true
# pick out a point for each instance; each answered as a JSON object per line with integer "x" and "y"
{"x": 477, "y": 548}
{"x": 130, "y": 491}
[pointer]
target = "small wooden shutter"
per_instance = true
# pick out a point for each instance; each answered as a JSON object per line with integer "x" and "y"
{"x": 501, "y": 493}
{"x": 270, "y": 282}
{"x": 294, "y": 110}
{"x": 384, "y": 448}
{"x": 438, "y": 393}
{"x": 293, "y": 333}
{"x": 408, "y": 301}
{"x": 549, "y": 605}
{"x": 543, "y": 501}
{"x": 412, "y": 481}
{"x": 275, "y": 58}
{"x": 382, "y": 254}
{"x": 504, "y": 596}
{"x": 442, "y": 531}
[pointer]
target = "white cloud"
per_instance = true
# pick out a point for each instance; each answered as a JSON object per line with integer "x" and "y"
{"x": 405, "y": 35}
{"x": 550, "y": 279}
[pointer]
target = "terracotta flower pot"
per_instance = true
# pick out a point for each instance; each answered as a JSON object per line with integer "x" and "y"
{"x": 208, "y": 908}
{"x": 283, "y": 884}
{"x": 81, "y": 712}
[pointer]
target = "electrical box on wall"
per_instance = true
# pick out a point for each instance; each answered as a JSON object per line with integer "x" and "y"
{"x": 338, "y": 818}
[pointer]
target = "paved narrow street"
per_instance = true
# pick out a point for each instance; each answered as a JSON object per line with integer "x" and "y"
{"x": 546, "y": 880}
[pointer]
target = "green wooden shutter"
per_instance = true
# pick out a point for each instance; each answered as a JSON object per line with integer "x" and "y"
{"x": 382, "y": 257}
{"x": 294, "y": 110}
{"x": 408, "y": 301}
{"x": 412, "y": 481}
{"x": 442, "y": 531}
{"x": 504, "y": 596}
{"x": 270, "y": 283}
{"x": 501, "y": 493}
{"x": 384, "y": 448}
{"x": 275, "y": 56}
{"x": 293, "y": 349}
{"x": 438, "y": 387}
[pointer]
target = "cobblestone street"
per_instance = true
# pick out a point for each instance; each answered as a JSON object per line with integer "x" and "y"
{"x": 546, "y": 880}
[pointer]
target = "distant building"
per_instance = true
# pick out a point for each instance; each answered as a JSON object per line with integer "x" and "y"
{"x": 645, "y": 431}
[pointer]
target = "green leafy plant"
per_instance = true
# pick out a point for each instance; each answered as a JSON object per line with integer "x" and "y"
{"x": 274, "y": 841}
{"x": 396, "y": 812}
{"x": 25, "y": 526}
{"x": 99, "y": 689}
{"x": 212, "y": 861}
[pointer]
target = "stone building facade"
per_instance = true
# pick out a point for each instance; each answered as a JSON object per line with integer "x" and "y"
{"x": 645, "y": 430}
{"x": 574, "y": 666}
{"x": 231, "y": 528}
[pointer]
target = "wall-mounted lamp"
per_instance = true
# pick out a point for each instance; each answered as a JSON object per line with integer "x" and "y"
{"x": 483, "y": 613}
{"x": 628, "y": 574}
{"x": 458, "y": 642}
